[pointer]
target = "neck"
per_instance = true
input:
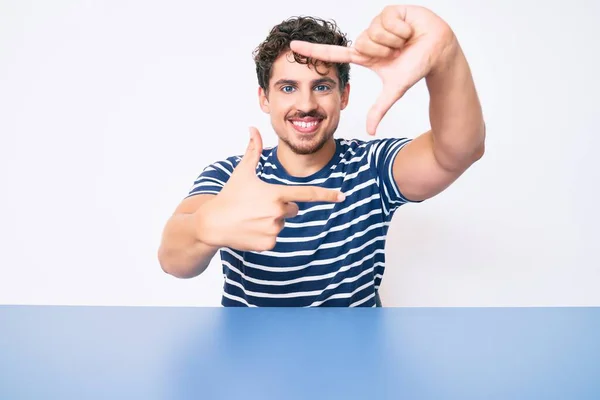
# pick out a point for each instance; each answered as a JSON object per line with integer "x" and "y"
{"x": 300, "y": 165}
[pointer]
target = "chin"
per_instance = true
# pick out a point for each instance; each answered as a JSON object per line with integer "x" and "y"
{"x": 305, "y": 150}
{"x": 306, "y": 145}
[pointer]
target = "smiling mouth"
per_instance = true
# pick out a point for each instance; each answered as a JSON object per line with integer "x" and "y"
{"x": 306, "y": 125}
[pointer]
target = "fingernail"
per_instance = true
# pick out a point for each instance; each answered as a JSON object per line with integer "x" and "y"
{"x": 341, "y": 196}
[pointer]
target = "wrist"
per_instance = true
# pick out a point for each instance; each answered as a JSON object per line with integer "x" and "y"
{"x": 450, "y": 75}
{"x": 450, "y": 57}
{"x": 206, "y": 226}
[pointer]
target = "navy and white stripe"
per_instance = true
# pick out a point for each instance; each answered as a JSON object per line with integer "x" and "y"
{"x": 329, "y": 254}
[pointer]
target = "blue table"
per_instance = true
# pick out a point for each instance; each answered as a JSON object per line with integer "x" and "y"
{"x": 287, "y": 354}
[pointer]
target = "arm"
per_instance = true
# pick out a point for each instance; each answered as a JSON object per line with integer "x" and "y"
{"x": 185, "y": 249}
{"x": 182, "y": 252}
{"x": 404, "y": 44}
{"x": 434, "y": 160}
{"x": 231, "y": 207}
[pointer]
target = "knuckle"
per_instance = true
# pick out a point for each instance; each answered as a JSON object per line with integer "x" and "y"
{"x": 324, "y": 195}
{"x": 361, "y": 42}
{"x": 313, "y": 193}
{"x": 388, "y": 21}
{"x": 388, "y": 9}
{"x": 273, "y": 231}
{"x": 276, "y": 227}
{"x": 269, "y": 243}
{"x": 276, "y": 211}
{"x": 280, "y": 211}
{"x": 377, "y": 34}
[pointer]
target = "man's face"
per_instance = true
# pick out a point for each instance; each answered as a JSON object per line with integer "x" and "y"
{"x": 304, "y": 105}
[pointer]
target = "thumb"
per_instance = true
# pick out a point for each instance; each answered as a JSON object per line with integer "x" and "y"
{"x": 385, "y": 101}
{"x": 253, "y": 151}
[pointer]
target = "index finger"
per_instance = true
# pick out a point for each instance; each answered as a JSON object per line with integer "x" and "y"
{"x": 309, "y": 194}
{"x": 325, "y": 52}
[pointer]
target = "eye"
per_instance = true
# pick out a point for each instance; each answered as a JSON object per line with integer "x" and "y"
{"x": 322, "y": 88}
{"x": 287, "y": 89}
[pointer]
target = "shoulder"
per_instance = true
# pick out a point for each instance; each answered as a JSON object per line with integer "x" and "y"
{"x": 267, "y": 159}
{"x": 368, "y": 150}
{"x": 228, "y": 164}
{"x": 349, "y": 148}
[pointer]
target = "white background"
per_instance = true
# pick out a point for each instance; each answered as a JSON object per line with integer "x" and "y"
{"x": 109, "y": 110}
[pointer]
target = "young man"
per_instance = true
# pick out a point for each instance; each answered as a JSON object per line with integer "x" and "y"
{"x": 304, "y": 223}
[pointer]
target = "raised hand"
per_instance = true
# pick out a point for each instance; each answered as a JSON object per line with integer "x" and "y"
{"x": 249, "y": 213}
{"x": 402, "y": 45}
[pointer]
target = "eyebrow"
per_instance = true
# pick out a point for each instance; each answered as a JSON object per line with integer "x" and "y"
{"x": 314, "y": 82}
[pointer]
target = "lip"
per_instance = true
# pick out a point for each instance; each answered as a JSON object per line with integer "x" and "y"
{"x": 313, "y": 125}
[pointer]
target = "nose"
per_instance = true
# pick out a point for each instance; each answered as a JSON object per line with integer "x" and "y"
{"x": 306, "y": 101}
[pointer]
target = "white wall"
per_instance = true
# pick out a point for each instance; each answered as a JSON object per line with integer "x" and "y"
{"x": 109, "y": 111}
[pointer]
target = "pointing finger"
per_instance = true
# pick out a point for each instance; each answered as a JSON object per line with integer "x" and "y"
{"x": 367, "y": 46}
{"x": 309, "y": 194}
{"x": 327, "y": 52}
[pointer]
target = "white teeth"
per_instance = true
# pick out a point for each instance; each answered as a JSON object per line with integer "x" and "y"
{"x": 305, "y": 124}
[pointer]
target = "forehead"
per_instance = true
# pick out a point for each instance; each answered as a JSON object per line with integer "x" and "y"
{"x": 285, "y": 67}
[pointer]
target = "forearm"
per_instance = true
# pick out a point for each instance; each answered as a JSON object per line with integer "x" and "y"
{"x": 182, "y": 253}
{"x": 457, "y": 124}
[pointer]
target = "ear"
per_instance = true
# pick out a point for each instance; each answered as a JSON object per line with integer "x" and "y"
{"x": 345, "y": 96}
{"x": 263, "y": 100}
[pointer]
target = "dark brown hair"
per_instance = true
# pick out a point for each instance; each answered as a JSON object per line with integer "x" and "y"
{"x": 309, "y": 29}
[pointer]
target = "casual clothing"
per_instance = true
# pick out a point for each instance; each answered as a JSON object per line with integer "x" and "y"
{"x": 330, "y": 254}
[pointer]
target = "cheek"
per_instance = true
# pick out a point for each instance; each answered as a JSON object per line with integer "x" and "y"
{"x": 281, "y": 107}
{"x": 332, "y": 107}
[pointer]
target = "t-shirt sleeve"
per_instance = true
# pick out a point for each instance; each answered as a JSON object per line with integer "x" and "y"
{"x": 383, "y": 154}
{"x": 214, "y": 177}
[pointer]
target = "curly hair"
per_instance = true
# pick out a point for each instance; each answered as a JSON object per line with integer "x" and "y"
{"x": 309, "y": 29}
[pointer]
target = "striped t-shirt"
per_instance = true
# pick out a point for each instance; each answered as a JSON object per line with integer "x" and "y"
{"x": 330, "y": 254}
